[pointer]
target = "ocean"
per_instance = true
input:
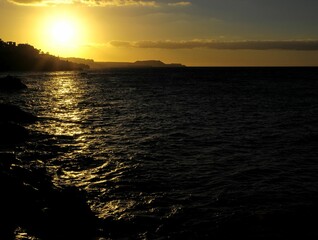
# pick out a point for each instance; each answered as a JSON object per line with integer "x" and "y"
{"x": 180, "y": 153}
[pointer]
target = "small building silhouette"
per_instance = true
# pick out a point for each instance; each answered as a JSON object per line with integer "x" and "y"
{"x": 11, "y": 44}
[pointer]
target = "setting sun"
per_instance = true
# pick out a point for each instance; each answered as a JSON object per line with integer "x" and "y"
{"x": 62, "y": 34}
{"x": 63, "y": 31}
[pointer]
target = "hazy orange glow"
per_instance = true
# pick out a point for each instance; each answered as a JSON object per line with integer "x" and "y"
{"x": 173, "y": 31}
{"x": 62, "y": 33}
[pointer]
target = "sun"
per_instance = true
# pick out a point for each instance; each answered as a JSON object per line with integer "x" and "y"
{"x": 63, "y": 31}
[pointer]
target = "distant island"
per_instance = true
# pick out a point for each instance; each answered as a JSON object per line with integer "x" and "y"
{"x": 24, "y": 57}
{"x": 138, "y": 64}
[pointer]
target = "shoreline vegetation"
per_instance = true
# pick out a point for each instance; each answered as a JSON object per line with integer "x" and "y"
{"x": 24, "y": 57}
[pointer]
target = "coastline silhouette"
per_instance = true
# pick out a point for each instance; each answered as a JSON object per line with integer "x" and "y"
{"x": 24, "y": 57}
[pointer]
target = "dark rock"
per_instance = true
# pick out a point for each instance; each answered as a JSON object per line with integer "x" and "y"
{"x": 10, "y": 83}
{"x": 15, "y": 114}
{"x": 13, "y": 193}
{"x": 7, "y": 159}
{"x": 12, "y": 133}
{"x": 29, "y": 200}
{"x": 68, "y": 216}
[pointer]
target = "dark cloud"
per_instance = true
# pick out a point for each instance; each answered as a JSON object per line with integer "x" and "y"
{"x": 121, "y": 44}
{"x": 102, "y": 3}
{"x": 26, "y": 2}
{"x": 301, "y": 45}
{"x": 181, "y": 4}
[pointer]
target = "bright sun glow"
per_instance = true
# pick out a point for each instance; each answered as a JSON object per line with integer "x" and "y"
{"x": 62, "y": 34}
{"x": 63, "y": 31}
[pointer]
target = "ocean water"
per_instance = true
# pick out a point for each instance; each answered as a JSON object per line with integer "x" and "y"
{"x": 189, "y": 153}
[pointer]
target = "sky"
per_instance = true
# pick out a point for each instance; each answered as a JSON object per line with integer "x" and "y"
{"x": 192, "y": 32}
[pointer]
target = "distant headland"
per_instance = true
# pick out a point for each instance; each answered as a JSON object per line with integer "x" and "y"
{"x": 138, "y": 64}
{"x": 24, "y": 57}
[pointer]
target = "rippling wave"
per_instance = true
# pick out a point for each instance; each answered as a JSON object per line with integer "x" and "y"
{"x": 182, "y": 153}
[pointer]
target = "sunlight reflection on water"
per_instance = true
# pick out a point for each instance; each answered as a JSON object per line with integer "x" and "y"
{"x": 65, "y": 95}
{"x": 83, "y": 155}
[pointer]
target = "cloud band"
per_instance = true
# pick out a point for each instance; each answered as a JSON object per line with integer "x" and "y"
{"x": 100, "y": 3}
{"x": 300, "y": 45}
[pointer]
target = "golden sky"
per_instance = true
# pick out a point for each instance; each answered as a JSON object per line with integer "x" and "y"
{"x": 193, "y": 32}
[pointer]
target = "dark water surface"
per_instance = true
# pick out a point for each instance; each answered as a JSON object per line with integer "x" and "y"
{"x": 187, "y": 153}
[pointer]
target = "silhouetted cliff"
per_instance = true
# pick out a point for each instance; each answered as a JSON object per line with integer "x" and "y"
{"x": 24, "y": 57}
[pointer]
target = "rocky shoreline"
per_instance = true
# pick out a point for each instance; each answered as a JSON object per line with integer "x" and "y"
{"x": 29, "y": 200}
